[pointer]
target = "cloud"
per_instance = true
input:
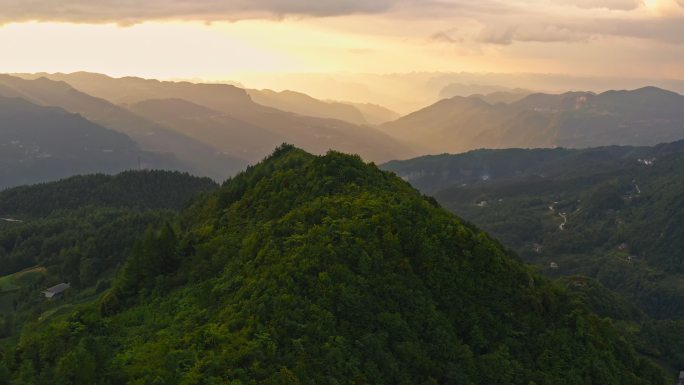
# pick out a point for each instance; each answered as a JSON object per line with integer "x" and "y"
{"x": 135, "y": 11}
{"x": 670, "y": 30}
{"x": 663, "y": 30}
{"x": 664, "y": 24}
{"x": 623, "y": 5}
{"x": 547, "y": 33}
{"x": 490, "y": 21}
{"x": 445, "y": 37}
{"x": 502, "y": 35}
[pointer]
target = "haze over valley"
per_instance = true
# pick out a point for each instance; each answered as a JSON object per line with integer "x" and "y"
{"x": 216, "y": 130}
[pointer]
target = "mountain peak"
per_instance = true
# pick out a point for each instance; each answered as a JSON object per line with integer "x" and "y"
{"x": 647, "y": 91}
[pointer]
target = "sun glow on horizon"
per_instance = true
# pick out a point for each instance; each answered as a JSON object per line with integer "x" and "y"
{"x": 651, "y": 4}
{"x": 664, "y": 8}
{"x": 558, "y": 39}
{"x": 155, "y": 49}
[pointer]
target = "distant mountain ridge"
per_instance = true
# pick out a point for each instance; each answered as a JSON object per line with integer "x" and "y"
{"x": 432, "y": 173}
{"x": 223, "y": 131}
{"x": 193, "y": 156}
{"x": 303, "y": 104}
{"x": 315, "y": 134}
{"x": 297, "y": 102}
{"x": 217, "y": 129}
{"x": 491, "y": 93}
{"x": 646, "y": 116}
{"x": 40, "y": 144}
{"x": 376, "y": 114}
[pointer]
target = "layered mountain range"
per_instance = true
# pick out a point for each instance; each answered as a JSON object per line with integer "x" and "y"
{"x": 242, "y": 117}
{"x": 216, "y": 130}
{"x": 40, "y": 143}
{"x": 645, "y": 116}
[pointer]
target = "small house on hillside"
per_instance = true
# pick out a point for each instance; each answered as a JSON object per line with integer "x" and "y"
{"x": 56, "y": 291}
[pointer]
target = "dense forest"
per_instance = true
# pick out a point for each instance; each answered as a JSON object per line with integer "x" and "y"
{"x": 131, "y": 189}
{"x": 434, "y": 173}
{"x": 324, "y": 270}
{"x": 79, "y": 230}
{"x": 613, "y": 214}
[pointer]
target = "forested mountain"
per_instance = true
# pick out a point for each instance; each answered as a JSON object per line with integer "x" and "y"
{"x": 148, "y": 190}
{"x": 615, "y": 202}
{"x": 78, "y": 230}
{"x": 309, "y": 270}
{"x": 40, "y": 144}
{"x": 645, "y": 116}
{"x": 194, "y": 156}
{"x": 614, "y": 214}
{"x": 314, "y": 134}
{"x": 433, "y": 173}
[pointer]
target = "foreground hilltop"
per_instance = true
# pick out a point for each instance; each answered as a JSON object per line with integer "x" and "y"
{"x": 322, "y": 269}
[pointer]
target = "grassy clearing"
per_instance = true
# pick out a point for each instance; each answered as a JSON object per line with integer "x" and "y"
{"x": 13, "y": 282}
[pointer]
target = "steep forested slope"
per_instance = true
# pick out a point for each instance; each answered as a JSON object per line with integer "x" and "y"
{"x": 614, "y": 203}
{"x": 311, "y": 270}
{"x": 78, "y": 231}
{"x": 614, "y": 214}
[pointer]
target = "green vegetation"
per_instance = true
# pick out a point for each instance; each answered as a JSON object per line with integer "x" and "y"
{"x": 78, "y": 230}
{"x": 621, "y": 214}
{"x": 132, "y": 189}
{"x": 324, "y": 270}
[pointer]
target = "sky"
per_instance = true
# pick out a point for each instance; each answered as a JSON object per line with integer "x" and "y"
{"x": 223, "y": 40}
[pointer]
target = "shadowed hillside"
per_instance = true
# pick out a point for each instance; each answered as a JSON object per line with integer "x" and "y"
{"x": 194, "y": 156}
{"x": 39, "y": 144}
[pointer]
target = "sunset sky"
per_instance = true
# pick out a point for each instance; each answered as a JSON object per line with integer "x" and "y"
{"x": 219, "y": 40}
